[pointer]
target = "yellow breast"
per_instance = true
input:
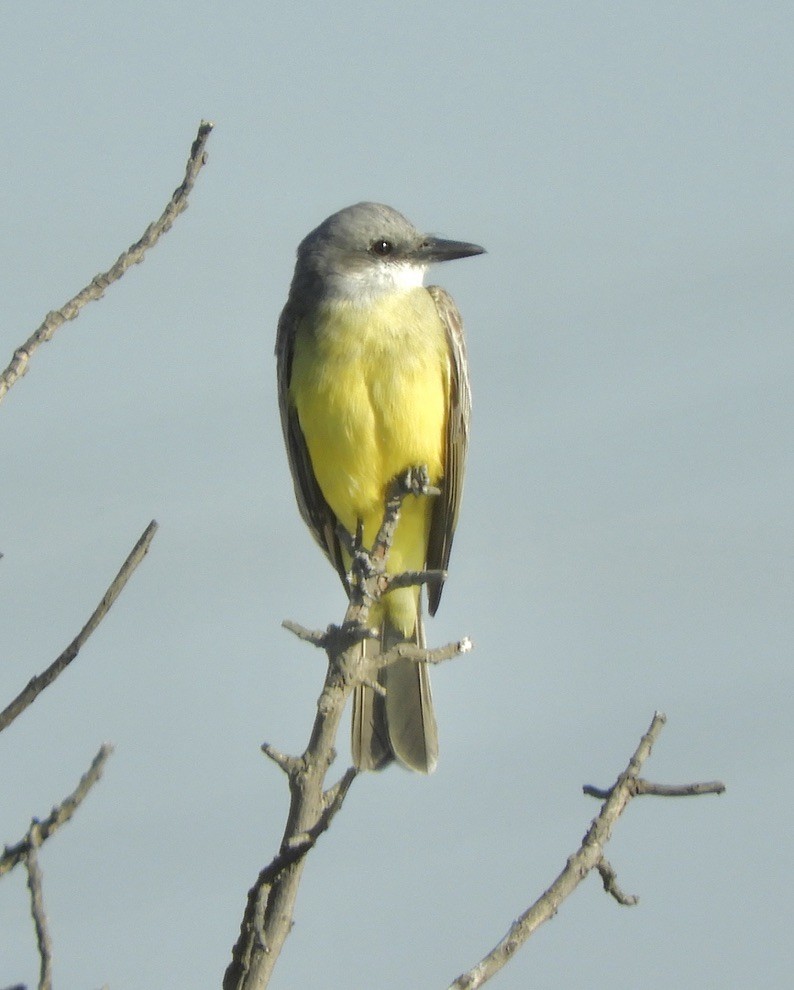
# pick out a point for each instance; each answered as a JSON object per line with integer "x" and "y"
{"x": 371, "y": 388}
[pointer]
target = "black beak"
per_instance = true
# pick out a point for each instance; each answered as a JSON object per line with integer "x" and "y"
{"x": 434, "y": 249}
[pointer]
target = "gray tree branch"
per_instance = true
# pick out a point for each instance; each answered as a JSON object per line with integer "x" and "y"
{"x": 589, "y": 856}
{"x": 43, "y": 939}
{"x": 41, "y": 829}
{"x": 26, "y": 851}
{"x": 132, "y": 256}
{"x": 267, "y": 919}
{"x": 37, "y": 684}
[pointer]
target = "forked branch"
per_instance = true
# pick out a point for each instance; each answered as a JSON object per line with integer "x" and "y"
{"x": 26, "y": 851}
{"x": 41, "y": 829}
{"x": 589, "y": 856}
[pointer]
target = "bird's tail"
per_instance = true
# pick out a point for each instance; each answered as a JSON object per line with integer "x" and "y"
{"x": 400, "y": 725}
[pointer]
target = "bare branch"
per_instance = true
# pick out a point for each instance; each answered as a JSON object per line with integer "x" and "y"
{"x": 289, "y": 764}
{"x": 298, "y": 845}
{"x": 378, "y": 688}
{"x": 677, "y": 790}
{"x": 335, "y": 795}
{"x": 589, "y": 856}
{"x": 439, "y": 654}
{"x": 267, "y": 919}
{"x": 26, "y": 851}
{"x": 334, "y": 639}
{"x": 316, "y": 637}
{"x": 132, "y": 256}
{"x": 639, "y": 787}
{"x": 37, "y": 684}
{"x": 610, "y": 881}
{"x": 43, "y": 939}
{"x": 410, "y": 579}
{"x": 40, "y": 831}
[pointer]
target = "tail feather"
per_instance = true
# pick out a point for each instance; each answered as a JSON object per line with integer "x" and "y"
{"x": 370, "y": 736}
{"x": 400, "y": 725}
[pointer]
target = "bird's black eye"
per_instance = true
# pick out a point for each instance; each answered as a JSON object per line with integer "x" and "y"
{"x": 381, "y": 247}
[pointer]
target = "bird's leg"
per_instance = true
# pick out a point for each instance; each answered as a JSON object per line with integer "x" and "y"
{"x": 350, "y": 542}
{"x": 361, "y": 582}
{"x": 368, "y": 565}
{"x": 362, "y": 564}
{"x": 368, "y": 580}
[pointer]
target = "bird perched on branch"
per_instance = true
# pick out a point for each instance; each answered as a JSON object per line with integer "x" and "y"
{"x": 373, "y": 381}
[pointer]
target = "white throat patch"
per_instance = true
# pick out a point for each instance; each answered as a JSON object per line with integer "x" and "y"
{"x": 380, "y": 279}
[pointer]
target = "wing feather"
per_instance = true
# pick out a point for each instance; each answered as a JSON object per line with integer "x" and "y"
{"x": 447, "y": 505}
{"x": 313, "y": 508}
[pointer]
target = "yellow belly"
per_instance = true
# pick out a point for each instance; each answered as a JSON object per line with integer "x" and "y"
{"x": 371, "y": 387}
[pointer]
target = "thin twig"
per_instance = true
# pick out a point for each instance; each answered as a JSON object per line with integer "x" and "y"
{"x": 60, "y": 814}
{"x": 412, "y": 579}
{"x": 43, "y": 939}
{"x": 132, "y": 256}
{"x": 38, "y": 683}
{"x": 374, "y": 686}
{"x": 438, "y": 654}
{"x": 289, "y": 764}
{"x": 317, "y": 637}
{"x": 26, "y": 851}
{"x": 640, "y": 787}
{"x": 589, "y": 856}
{"x": 333, "y": 797}
{"x": 610, "y": 880}
{"x": 678, "y": 790}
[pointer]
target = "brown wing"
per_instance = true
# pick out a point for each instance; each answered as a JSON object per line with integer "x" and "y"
{"x": 447, "y": 504}
{"x": 313, "y": 508}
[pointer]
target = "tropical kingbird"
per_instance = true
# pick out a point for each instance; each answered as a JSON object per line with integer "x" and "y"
{"x": 373, "y": 381}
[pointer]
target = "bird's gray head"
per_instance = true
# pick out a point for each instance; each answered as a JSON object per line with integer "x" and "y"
{"x": 367, "y": 250}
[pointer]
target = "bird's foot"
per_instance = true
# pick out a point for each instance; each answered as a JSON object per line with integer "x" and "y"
{"x": 416, "y": 481}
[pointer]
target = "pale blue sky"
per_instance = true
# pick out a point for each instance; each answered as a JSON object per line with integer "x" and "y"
{"x": 626, "y": 538}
